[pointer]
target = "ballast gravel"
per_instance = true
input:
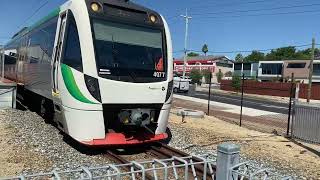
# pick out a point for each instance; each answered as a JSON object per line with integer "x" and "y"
{"x": 34, "y": 135}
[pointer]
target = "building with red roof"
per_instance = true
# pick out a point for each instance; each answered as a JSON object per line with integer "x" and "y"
{"x": 212, "y": 63}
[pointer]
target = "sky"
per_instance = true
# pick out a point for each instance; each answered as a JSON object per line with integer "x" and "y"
{"x": 227, "y": 26}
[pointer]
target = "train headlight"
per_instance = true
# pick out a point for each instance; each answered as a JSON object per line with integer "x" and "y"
{"x": 153, "y": 18}
{"x": 93, "y": 87}
{"x": 95, "y": 7}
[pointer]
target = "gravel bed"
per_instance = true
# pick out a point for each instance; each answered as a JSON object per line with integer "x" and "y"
{"x": 181, "y": 140}
{"x": 34, "y": 134}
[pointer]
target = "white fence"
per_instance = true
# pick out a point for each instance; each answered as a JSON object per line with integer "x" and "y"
{"x": 223, "y": 166}
{"x": 306, "y": 122}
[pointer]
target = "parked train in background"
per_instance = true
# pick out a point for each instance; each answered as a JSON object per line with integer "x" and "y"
{"x": 102, "y": 70}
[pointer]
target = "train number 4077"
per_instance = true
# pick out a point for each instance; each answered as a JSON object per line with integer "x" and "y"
{"x": 159, "y": 74}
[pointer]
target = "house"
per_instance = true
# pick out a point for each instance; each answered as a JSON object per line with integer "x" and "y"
{"x": 212, "y": 63}
{"x": 282, "y": 70}
{"x": 249, "y": 70}
{"x": 300, "y": 69}
{"x": 270, "y": 70}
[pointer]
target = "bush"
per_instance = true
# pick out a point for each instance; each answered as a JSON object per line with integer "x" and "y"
{"x": 195, "y": 76}
{"x": 228, "y": 74}
{"x": 219, "y": 76}
{"x": 206, "y": 74}
{"x": 236, "y": 82}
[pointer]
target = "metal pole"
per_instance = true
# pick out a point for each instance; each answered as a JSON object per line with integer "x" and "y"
{"x": 209, "y": 95}
{"x": 228, "y": 156}
{"x": 311, "y": 70}
{"x": 290, "y": 104}
{"x": 2, "y": 62}
{"x": 186, "y": 17}
{"x": 242, "y": 90}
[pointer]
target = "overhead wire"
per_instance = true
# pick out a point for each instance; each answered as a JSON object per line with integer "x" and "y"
{"x": 34, "y": 13}
{"x": 243, "y": 51}
{"x": 257, "y": 15}
{"x": 257, "y": 10}
{"x": 230, "y": 4}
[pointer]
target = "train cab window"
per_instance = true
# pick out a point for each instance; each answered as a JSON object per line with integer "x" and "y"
{"x": 72, "y": 54}
{"x": 129, "y": 53}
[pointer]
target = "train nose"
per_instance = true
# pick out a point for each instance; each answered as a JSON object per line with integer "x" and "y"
{"x": 132, "y": 93}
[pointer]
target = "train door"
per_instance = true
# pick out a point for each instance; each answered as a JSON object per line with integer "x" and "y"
{"x": 55, "y": 70}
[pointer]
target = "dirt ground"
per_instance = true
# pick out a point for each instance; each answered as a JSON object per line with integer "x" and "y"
{"x": 265, "y": 123}
{"x": 15, "y": 159}
{"x": 275, "y": 150}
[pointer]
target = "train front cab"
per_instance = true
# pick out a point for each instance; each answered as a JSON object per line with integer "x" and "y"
{"x": 112, "y": 78}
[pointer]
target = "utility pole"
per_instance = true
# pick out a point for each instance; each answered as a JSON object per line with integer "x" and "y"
{"x": 186, "y": 17}
{"x": 311, "y": 70}
{"x": 2, "y": 61}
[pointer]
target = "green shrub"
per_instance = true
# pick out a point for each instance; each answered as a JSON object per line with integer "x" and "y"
{"x": 228, "y": 74}
{"x": 195, "y": 76}
{"x": 219, "y": 76}
{"x": 236, "y": 82}
{"x": 206, "y": 74}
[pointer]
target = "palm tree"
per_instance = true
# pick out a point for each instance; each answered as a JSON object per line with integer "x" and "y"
{"x": 205, "y": 49}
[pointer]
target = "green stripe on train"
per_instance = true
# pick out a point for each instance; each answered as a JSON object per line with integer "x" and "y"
{"x": 72, "y": 86}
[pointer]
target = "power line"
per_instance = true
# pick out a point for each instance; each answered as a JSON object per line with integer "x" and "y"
{"x": 256, "y": 15}
{"x": 222, "y": 4}
{"x": 257, "y": 10}
{"x": 244, "y": 51}
{"x": 34, "y": 13}
{"x": 230, "y": 4}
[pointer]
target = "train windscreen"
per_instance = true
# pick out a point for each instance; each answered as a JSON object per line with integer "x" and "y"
{"x": 129, "y": 53}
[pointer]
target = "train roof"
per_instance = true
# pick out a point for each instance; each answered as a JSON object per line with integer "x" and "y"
{"x": 25, "y": 30}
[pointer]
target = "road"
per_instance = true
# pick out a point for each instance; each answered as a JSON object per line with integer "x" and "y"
{"x": 271, "y": 106}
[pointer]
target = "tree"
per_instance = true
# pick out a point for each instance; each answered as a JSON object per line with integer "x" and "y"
{"x": 306, "y": 54}
{"x": 239, "y": 58}
{"x": 192, "y": 54}
{"x": 282, "y": 53}
{"x": 205, "y": 49}
{"x": 228, "y": 74}
{"x": 206, "y": 74}
{"x": 219, "y": 76}
{"x": 195, "y": 76}
{"x": 255, "y": 56}
{"x": 236, "y": 82}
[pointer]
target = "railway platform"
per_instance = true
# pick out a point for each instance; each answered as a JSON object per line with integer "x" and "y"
{"x": 8, "y": 92}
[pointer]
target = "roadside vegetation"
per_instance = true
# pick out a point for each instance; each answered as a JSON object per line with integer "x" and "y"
{"x": 283, "y": 53}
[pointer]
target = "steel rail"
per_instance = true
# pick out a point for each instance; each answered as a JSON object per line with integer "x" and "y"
{"x": 112, "y": 155}
{"x": 162, "y": 150}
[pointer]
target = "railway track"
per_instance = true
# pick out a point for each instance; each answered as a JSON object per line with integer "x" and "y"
{"x": 197, "y": 171}
{"x": 181, "y": 164}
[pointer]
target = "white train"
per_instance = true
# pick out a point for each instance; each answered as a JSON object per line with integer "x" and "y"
{"x": 102, "y": 70}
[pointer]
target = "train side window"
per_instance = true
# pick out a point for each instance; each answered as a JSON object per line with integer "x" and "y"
{"x": 72, "y": 54}
{"x": 47, "y": 43}
{"x": 35, "y": 52}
